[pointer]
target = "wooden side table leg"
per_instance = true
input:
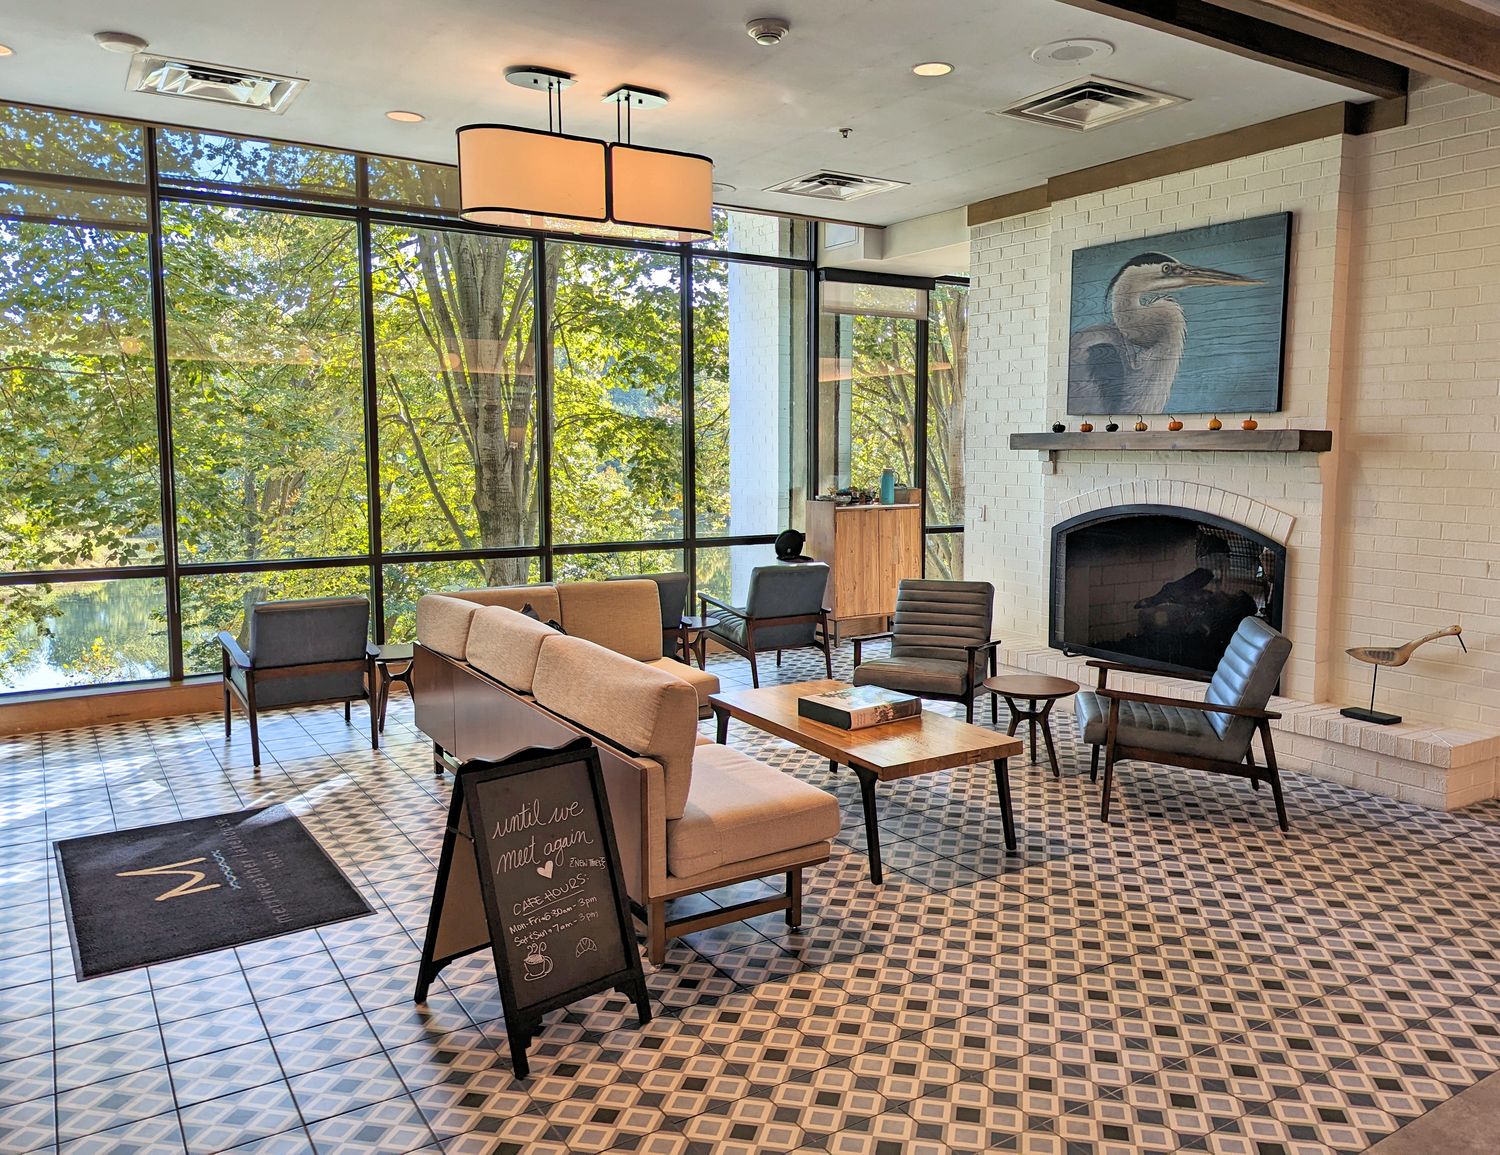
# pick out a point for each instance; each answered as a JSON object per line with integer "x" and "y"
{"x": 384, "y": 691}
{"x": 1047, "y": 737}
{"x": 1033, "y": 715}
{"x": 721, "y": 725}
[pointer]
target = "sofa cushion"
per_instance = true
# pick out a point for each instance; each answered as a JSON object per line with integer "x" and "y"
{"x": 1174, "y": 728}
{"x": 701, "y": 680}
{"x": 648, "y": 712}
{"x": 739, "y": 809}
{"x": 914, "y": 675}
{"x": 505, "y": 645}
{"x": 541, "y": 598}
{"x": 623, "y": 616}
{"x": 443, "y": 623}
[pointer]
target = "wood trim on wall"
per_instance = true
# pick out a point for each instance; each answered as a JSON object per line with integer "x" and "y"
{"x": 102, "y": 707}
{"x": 1284, "y": 131}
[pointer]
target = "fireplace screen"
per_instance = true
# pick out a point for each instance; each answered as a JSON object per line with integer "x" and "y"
{"x": 1159, "y": 586}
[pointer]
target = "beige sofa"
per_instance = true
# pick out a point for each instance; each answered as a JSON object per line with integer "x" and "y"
{"x": 623, "y": 616}
{"x": 689, "y": 815}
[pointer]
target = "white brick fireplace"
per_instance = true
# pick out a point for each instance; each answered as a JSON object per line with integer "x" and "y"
{"x": 1392, "y": 342}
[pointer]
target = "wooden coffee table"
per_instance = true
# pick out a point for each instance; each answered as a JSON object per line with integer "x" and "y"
{"x": 1033, "y": 688}
{"x": 912, "y": 746}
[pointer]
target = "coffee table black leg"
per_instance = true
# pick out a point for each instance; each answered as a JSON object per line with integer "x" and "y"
{"x": 1002, "y": 783}
{"x": 721, "y": 721}
{"x": 867, "y": 780}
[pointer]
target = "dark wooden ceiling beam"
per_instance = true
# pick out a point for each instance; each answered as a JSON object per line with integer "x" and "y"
{"x": 1458, "y": 42}
{"x": 1260, "y": 38}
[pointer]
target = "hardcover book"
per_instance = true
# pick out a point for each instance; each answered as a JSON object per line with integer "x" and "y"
{"x": 857, "y": 707}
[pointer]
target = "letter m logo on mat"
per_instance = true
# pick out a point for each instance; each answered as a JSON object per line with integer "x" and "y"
{"x": 193, "y": 885}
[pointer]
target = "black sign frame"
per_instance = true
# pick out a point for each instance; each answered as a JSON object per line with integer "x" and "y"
{"x": 453, "y": 933}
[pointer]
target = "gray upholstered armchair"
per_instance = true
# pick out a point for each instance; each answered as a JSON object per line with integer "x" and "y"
{"x": 1213, "y": 734}
{"x": 939, "y": 643}
{"x": 301, "y": 653}
{"x": 783, "y": 610}
{"x": 672, "y": 588}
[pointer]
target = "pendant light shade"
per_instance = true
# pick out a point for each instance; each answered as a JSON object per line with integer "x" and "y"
{"x": 659, "y": 194}
{"x": 531, "y": 179}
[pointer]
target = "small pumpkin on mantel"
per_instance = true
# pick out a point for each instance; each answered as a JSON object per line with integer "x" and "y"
{"x": 1140, "y": 424}
{"x": 1249, "y": 423}
{"x": 1086, "y": 427}
{"x": 1174, "y": 425}
{"x": 1215, "y": 424}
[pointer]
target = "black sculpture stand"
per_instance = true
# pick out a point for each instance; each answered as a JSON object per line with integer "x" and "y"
{"x": 1379, "y": 717}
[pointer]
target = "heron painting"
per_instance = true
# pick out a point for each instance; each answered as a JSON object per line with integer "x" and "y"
{"x": 1187, "y": 322}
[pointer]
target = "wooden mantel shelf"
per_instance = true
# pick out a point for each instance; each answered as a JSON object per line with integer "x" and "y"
{"x": 1186, "y": 440}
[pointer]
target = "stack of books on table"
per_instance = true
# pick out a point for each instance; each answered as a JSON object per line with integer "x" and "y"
{"x": 857, "y": 707}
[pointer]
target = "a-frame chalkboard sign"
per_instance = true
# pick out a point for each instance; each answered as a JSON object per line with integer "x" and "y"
{"x": 529, "y": 868}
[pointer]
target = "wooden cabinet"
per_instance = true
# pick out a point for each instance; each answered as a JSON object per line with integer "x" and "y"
{"x": 869, "y": 549}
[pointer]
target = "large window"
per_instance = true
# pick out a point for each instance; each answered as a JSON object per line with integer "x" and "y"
{"x": 891, "y": 362}
{"x": 234, "y": 370}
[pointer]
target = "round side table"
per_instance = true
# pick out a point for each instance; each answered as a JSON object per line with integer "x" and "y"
{"x": 692, "y": 639}
{"x": 399, "y": 654}
{"x": 1041, "y": 693}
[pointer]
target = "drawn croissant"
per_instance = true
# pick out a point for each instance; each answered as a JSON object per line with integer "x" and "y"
{"x": 1390, "y": 656}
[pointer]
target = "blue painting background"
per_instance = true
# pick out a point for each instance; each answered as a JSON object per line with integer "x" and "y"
{"x": 1232, "y": 359}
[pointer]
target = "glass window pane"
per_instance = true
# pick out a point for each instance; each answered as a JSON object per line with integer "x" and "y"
{"x": 50, "y": 204}
{"x": 42, "y": 140}
{"x": 82, "y": 634}
{"x": 616, "y": 349}
{"x": 214, "y": 602}
{"x": 80, "y": 485}
{"x": 413, "y": 183}
{"x": 757, "y": 234}
{"x": 455, "y": 365}
{"x": 210, "y": 160}
{"x": 947, "y": 361}
{"x": 945, "y": 556}
{"x": 867, "y": 391}
{"x": 405, "y": 585}
{"x": 748, "y": 369}
{"x": 266, "y": 384}
{"x": 578, "y": 567}
{"x": 724, "y": 570}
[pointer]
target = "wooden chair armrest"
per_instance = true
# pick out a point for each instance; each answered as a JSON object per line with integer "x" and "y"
{"x": 1188, "y": 704}
{"x": 1124, "y": 668}
{"x": 232, "y": 650}
{"x": 372, "y": 650}
{"x": 706, "y": 600}
{"x": 860, "y": 641}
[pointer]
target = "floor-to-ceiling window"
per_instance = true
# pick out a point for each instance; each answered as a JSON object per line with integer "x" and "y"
{"x": 233, "y": 370}
{"x": 890, "y": 391}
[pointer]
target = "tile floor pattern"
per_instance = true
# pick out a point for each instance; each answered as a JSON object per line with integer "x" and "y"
{"x": 1184, "y": 978}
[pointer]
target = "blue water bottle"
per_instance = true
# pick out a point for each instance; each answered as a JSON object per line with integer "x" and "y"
{"x": 887, "y": 487}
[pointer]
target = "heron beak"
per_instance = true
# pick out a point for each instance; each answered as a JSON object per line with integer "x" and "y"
{"x": 1195, "y": 275}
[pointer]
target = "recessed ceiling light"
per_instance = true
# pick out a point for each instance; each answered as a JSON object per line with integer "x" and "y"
{"x": 722, "y": 187}
{"x": 1066, "y": 53}
{"x": 125, "y": 43}
{"x": 932, "y": 68}
{"x": 7, "y": 50}
{"x": 405, "y": 117}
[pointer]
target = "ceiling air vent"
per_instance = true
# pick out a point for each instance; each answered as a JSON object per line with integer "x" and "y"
{"x": 194, "y": 80}
{"x": 834, "y": 186}
{"x": 1083, "y": 105}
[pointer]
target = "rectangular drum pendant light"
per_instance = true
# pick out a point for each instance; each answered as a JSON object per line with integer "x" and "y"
{"x": 661, "y": 195}
{"x": 531, "y": 179}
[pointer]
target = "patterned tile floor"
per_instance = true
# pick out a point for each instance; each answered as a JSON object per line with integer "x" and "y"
{"x": 1183, "y": 978}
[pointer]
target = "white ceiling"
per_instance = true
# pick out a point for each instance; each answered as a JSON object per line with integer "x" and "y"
{"x": 763, "y": 114}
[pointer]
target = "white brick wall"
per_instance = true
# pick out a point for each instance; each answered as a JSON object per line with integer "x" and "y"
{"x": 1393, "y": 341}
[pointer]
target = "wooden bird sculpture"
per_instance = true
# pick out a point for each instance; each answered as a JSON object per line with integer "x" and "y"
{"x": 1377, "y": 656}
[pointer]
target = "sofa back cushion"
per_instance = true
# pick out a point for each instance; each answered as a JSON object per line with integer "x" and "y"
{"x": 1246, "y": 676}
{"x": 443, "y": 623}
{"x": 646, "y": 711}
{"x": 541, "y": 598}
{"x": 940, "y": 619}
{"x": 505, "y": 645}
{"x": 623, "y": 616}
